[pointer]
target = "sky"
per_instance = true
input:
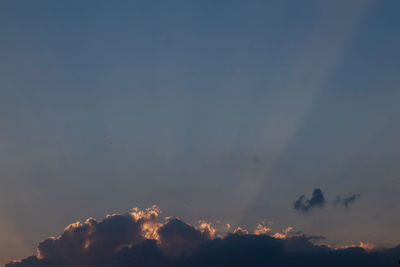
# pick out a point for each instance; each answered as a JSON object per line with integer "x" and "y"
{"x": 224, "y": 111}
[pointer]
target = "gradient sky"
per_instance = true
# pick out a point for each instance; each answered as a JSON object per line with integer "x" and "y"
{"x": 215, "y": 110}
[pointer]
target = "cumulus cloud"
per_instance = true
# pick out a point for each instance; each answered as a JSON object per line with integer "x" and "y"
{"x": 240, "y": 231}
{"x": 345, "y": 202}
{"x": 177, "y": 237}
{"x": 365, "y": 245}
{"x": 261, "y": 229}
{"x": 283, "y": 234}
{"x": 138, "y": 238}
{"x": 304, "y": 205}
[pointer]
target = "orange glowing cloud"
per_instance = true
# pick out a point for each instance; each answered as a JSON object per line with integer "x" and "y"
{"x": 367, "y": 246}
{"x": 283, "y": 234}
{"x": 206, "y": 227}
{"x": 261, "y": 230}
{"x": 240, "y": 231}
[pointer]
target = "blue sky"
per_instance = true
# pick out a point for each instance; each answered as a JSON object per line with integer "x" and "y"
{"x": 217, "y": 110}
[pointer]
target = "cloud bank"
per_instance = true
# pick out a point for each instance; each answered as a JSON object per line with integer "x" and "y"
{"x": 305, "y": 205}
{"x": 138, "y": 238}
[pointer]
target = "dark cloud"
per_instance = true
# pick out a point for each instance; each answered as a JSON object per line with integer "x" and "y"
{"x": 94, "y": 243}
{"x": 177, "y": 237}
{"x": 345, "y": 202}
{"x": 137, "y": 239}
{"x": 305, "y": 205}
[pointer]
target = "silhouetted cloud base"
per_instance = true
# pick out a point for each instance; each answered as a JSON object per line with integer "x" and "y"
{"x": 138, "y": 239}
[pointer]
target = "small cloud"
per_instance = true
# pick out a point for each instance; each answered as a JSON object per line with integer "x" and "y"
{"x": 240, "y": 231}
{"x": 283, "y": 234}
{"x": 305, "y": 205}
{"x": 345, "y": 202}
{"x": 207, "y": 228}
{"x": 367, "y": 246}
{"x": 261, "y": 229}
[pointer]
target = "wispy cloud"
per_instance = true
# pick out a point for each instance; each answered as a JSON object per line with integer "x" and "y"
{"x": 345, "y": 201}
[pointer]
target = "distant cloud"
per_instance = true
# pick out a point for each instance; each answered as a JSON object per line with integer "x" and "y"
{"x": 139, "y": 239}
{"x": 177, "y": 237}
{"x": 240, "y": 231}
{"x": 305, "y": 205}
{"x": 261, "y": 229}
{"x": 284, "y": 234}
{"x": 345, "y": 202}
